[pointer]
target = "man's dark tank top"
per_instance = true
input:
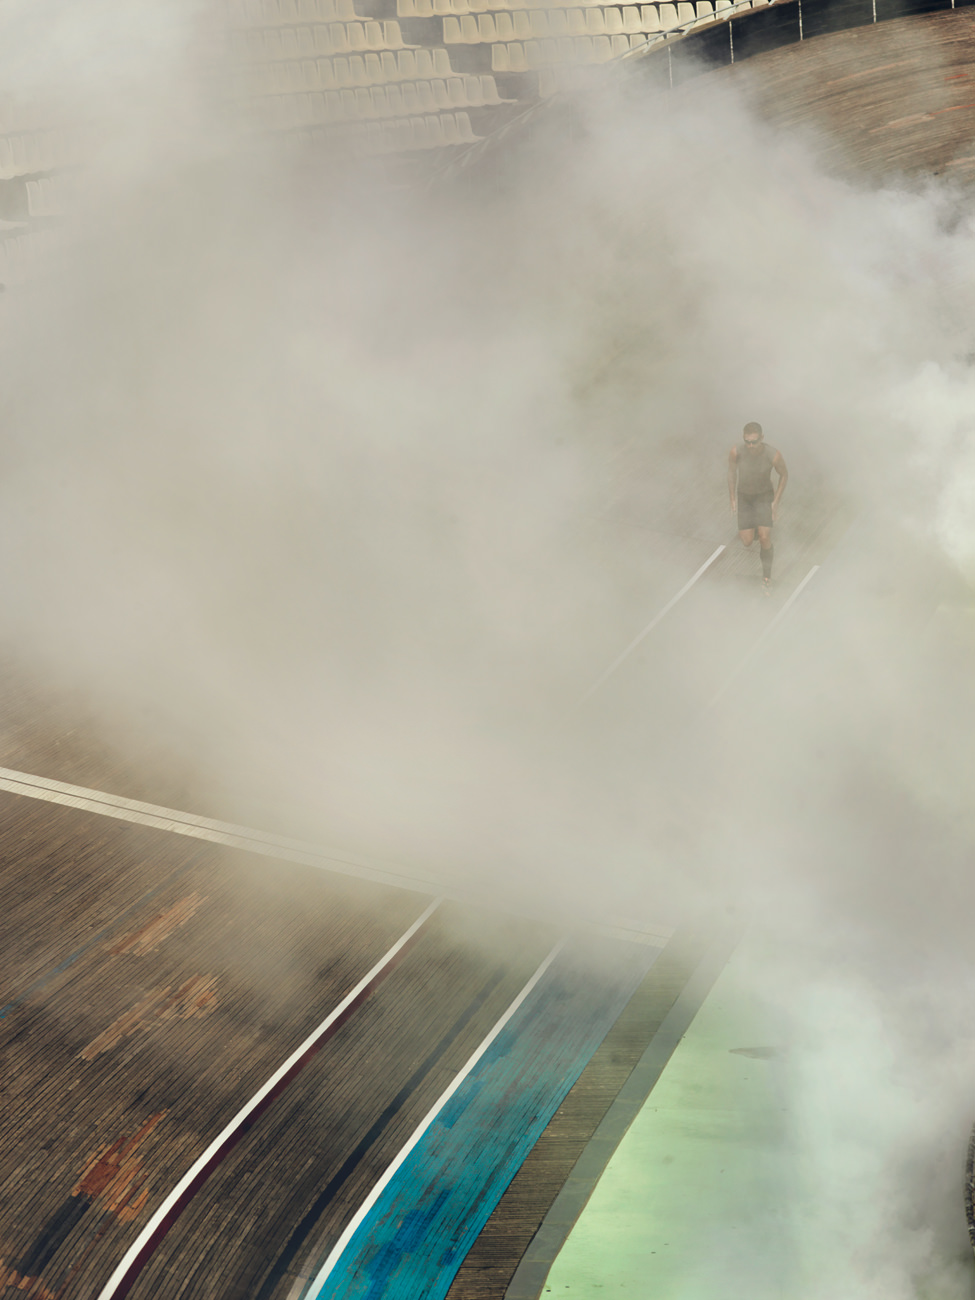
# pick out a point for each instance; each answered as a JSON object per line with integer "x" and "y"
{"x": 755, "y": 470}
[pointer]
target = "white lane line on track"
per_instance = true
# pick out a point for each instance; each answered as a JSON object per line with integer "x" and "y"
{"x": 301, "y": 1288}
{"x": 774, "y": 623}
{"x": 206, "y": 828}
{"x": 650, "y": 626}
{"x": 270, "y": 846}
{"x": 143, "y": 1246}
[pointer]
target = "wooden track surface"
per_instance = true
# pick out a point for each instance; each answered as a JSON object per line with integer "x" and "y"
{"x": 171, "y": 1021}
{"x": 897, "y": 97}
{"x": 152, "y": 985}
{"x": 418, "y": 1030}
{"x": 57, "y": 732}
{"x": 194, "y": 972}
{"x": 190, "y": 972}
{"x": 118, "y": 1071}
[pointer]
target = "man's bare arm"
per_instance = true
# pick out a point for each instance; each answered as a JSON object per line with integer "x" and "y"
{"x": 778, "y": 464}
{"x": 733, "y": 477}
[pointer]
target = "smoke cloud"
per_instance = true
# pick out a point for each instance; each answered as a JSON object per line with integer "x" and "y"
{"x": 347, "y": 493}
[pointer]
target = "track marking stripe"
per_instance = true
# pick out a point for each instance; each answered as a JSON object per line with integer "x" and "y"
{"x": 271, "y": 846}
{"x": 650, "y": 626}
{"x": 169, "y": 1211}
{"x": 300, "y": 1233}
{"x": 775, "y": 621}
{"x": 364, "y": 1209}
{"x": 206, "y": 828}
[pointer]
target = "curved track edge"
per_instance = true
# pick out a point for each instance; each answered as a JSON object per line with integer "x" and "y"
{"x": 532, "y": 1272}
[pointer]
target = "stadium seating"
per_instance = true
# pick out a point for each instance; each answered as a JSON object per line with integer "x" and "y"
{"x": 44, "y": 197}
{"x": 408, "y": 75}
{"x": 400, "y": 77}
{"x": 29, "y": 152}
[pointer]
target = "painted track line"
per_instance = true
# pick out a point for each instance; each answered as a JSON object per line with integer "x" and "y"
{"x": 207, "y": 828}
{"x": 364, "y": 1209}
{"x": 139, "y": 1253}
{"x": 268, "y": 845}
{"x": 528, "y": 1281}
{"x": 774, "y": 623}
{"x": 650, "y": 626}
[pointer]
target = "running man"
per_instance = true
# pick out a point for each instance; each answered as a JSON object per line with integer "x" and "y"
{"x": 750, "y": 488}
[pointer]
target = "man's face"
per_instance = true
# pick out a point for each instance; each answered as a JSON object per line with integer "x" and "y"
{"x": 753, "y": 441}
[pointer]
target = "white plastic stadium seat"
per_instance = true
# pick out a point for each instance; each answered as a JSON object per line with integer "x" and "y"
{"x": 529, "y": 55}
{"x": 35, "y": 151}
{"x": 43, "y": 198}
{"x": 292, "y": 13}
{"x": 430, "y": 131}
{"x": 392, "y": 99}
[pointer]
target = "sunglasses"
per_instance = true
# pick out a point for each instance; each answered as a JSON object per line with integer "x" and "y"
{"x": 752, "y": 442}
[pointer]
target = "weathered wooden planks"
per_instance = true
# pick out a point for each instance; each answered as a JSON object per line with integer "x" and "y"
{"x": 299, "y": 1175}
{"x": 119, "y": 1070}
{"x": 891, "y": 98}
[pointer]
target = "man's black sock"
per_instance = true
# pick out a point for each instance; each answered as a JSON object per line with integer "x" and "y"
{"x": 767, "y": 561}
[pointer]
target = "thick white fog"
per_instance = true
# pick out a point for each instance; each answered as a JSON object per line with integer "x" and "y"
{"x": 347, "y": 493}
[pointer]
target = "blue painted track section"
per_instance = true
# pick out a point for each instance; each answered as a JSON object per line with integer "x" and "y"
{"x": 412, "y": 1244}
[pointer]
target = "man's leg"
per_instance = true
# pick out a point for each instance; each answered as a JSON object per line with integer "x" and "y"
{"x": 747, "y": 535}
{"x": 768, "y": 551}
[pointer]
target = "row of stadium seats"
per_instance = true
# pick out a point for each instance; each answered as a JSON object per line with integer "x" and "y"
{"x": 45, "y": 197}
{"x": 265, "y": 44}
{"x": 398, "y": 99}
{"x": 541, "y": 24}
{"x": 336, "y": 101}
{"x": 312, "y": 68}
{"x": 289, "y": 13}
{"x": 315, "y": 67}
{"x": 527, "y": 56}
{"x": 399, "y": 135}
{"x": 370, "y": 69}
{"x": 33, "y": 151}
{"x": 303, "y": 14}
{"x": 463, "y": 27}
{"x": 383, "y": 56}
{"x": 461, "y": 8}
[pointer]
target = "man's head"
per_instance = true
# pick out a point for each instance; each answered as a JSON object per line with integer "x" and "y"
{"x": 752, "y": 434}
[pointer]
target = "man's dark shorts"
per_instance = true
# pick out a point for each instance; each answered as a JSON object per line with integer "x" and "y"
{"x": 755, "y": 512}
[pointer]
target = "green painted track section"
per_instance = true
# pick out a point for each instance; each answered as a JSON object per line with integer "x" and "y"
{"x": 692, "y": 1204}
